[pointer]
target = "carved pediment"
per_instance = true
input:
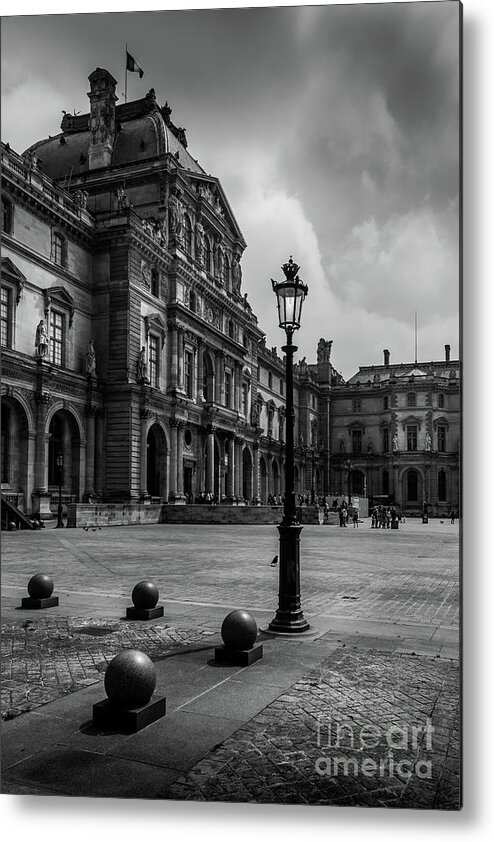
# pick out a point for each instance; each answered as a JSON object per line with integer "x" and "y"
{"x": 154, "y": 322}
{"x": 12, "y": 274}
{"x": 59, "y": 295}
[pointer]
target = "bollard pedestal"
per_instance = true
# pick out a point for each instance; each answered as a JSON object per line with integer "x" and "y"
{"x": 237, "y": 657}
{"x": 33, "y": 602}
{"x": 144, "y": 613}
{"x": 132, "y": 719}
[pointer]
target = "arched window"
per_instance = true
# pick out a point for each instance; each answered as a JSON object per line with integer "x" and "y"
{"x": 208, "y": 255}
{"x": 385, "y": 482}
{"x": 155, "y": 282}
{"x": 219, "y": 267}
{"x": 441, "y": 485}
{"x": 7, "y": 215}
{"x": 188, "y": 235}
{"x": 412, "y": 486}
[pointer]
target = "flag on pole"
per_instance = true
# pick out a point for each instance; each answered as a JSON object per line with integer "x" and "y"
{"x": 133, "y": 66}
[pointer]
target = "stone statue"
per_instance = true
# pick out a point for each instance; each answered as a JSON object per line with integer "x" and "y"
{"x": 176, "y": 218}
{"x": 236, "y": 273}
{"x": 370, "y": 446}
{"x": 90, "y": 360}
{"x": 41, "y": 341}
{"x": 395, "y": 443}
{"x": 324, "y": 350}
{"x": 199, "y": 242}
{"x": 342, "y": 446}
{"x": 142, "y": 368}
{"x": 428, "y": 441}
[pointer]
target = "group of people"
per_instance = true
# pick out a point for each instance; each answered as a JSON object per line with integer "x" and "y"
{"x": 385, "y": 517}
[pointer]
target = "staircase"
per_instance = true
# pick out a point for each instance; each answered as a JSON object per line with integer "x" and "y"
{"x": 12, "y": 515}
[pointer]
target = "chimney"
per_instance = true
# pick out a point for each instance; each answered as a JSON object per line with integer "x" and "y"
{"x": 386, "y": 357}
{"x": 102, "y": 100}
{"x": 447, "y": 351}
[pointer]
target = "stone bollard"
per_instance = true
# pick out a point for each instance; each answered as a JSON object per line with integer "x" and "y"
{"x": 239, "y": 632}
{"x": 40, "y": 589}
{"x": 130, "y": 682}
{"x": 145, "y": 596}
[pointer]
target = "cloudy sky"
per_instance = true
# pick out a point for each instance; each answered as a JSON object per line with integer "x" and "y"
{"x": 333, "y": 129}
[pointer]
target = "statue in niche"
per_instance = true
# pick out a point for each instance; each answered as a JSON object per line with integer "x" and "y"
{"x": 142, "y": 368}
{"x": 176, "y": 218}
{"x": 199, "y": 242}
{"x": 342, "y": 446}
{"x": 370, "y": 447}
{"x": 324, "y": 351}
{"x": 90, "y": 359}
{"x": 428, "y": 441}
{"x": 395, "y": 443}
{"x": 145, "y": 274}
{"x": 41, "y": 341}
{"x": 236, "y": 273}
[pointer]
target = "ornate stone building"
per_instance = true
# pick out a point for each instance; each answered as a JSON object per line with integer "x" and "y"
{"x": 129, "y": 346}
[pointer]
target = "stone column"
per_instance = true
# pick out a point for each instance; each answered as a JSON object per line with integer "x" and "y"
{"x": 238, "y": 387}
{"x": 41, "y": 497}
{"x": 143, "y": 465}
{"x": 180, "y": 462}
{"x": 230, "y": 492}
{"x": 90, "y": 444}
{"x": 255, "y": 486}
{"x": 238, "y": 467}
{"x": 172, "y": 485}
{"x": 99, "y": 453}
{"x": 174, "y": 358}
{"x": 210, "y": 461}
{"x": 200, "y": 372}
{"x": 180, "y": 354}
{"x": 217, "y": 378}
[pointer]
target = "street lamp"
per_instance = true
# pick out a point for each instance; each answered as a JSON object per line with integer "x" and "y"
{"x": 60, "y": 524}
{"x": 313, "y": 488}
{"x": 289, "y": 618}
{"x": 350, "y": 469}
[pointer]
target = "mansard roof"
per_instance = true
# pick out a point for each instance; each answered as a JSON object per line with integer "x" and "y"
{"x": 144, "y": 131}
{"x": 404, "y": 372}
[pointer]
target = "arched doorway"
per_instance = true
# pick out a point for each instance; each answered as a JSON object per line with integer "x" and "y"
{"x": 357, "y": 481}
{"x": 247, "y": 475}
{"x": 64, "y": 440}
{"x": 156, "y": 473}
{"x": 15, "y": 455}
{"x": 208, "y": 378}
{"x": 412, "y": 486}
{"x": 276, "y": 478}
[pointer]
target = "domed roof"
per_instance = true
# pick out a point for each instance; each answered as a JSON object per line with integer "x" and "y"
{"x": 143, "y": 131}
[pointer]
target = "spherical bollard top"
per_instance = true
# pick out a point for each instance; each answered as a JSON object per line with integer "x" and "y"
{"x": 40, "y": 586}
{"x": 130, "y": 679}
{"x": 145, "y": 595}
{"x": 239, "y": 630}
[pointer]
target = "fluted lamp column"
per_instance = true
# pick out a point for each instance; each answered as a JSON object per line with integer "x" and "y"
{"x": 289, "y": 618}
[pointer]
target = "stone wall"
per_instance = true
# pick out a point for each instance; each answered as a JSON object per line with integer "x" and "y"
{"x": 112, "y": 514}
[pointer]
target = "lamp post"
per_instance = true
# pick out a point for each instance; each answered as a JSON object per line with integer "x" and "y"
{"x": 289, "y": 618}
{"x": 313, "y": 487}
{"x": 349, "y": 468}
{"x": 60, "y": 524}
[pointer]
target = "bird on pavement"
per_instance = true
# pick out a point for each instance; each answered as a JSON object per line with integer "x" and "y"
{"x": 274, "y": 561}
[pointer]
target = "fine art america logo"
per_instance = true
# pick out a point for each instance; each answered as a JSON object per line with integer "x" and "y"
{"x": 353, "y": 741}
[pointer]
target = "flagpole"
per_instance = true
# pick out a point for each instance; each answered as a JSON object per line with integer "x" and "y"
{"x": 126, "y": 47}
{"x": 415, "y": 336}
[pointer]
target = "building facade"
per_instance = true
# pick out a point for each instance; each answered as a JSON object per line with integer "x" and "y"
{"x": 130, "y": 352}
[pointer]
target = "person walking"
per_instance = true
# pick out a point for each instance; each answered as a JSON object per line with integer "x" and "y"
{"x": 355, "y": 518}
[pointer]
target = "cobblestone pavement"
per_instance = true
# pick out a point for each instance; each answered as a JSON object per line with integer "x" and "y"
{"x": 45, "y": 659}
{"x": 343, "y": 735}
{"x": 407, "y": 575}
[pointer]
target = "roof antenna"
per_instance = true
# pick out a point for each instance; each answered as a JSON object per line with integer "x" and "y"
{"x": 415, "y": 337}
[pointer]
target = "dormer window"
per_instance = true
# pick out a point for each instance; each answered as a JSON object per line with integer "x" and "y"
{"x": 411, "y": 399}
{"x": 59, "y": 249}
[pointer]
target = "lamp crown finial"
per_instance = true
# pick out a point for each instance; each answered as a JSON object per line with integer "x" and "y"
{"x": 290, "y": 270}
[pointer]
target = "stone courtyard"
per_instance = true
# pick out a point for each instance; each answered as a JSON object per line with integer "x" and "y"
{"x": 382, "y": 654}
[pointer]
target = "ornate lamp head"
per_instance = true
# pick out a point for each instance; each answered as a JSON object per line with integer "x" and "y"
{"x": 291, "y": 294}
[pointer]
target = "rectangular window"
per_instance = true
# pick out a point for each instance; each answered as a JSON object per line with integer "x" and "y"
{"x": 245, "y": 399}
{"x": 6, "y": 317}
{"x": 57, "y": 338}
{"x": 228, "y": 389}
{"x": 189, "y": 373}
{"x": 441, "y": 439}
{"x": 441, "y": 401}
{"x": 356, "y": 441}
{"x": 58, "y": 249}
{"x": 386, "y": 402}
{"x": 154, "y": 371}
{"x": 357, "y": 406}
{"x": 282, "y": 387}
{"x": 412, "y": 438}
{"x": 386, "y": 440}
{"x": 411, "y": 399}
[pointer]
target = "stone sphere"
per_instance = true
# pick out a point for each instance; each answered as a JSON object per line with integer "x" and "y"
{"x": 40, "y": 586}
{"x": 130, "y": 679}
{"x": 239, "y": 630}
{"x": 12, "y": 526}
{"x": 145, "y": 595}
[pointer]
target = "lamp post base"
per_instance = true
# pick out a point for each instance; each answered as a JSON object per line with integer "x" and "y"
{"x": 289, "y": 617}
